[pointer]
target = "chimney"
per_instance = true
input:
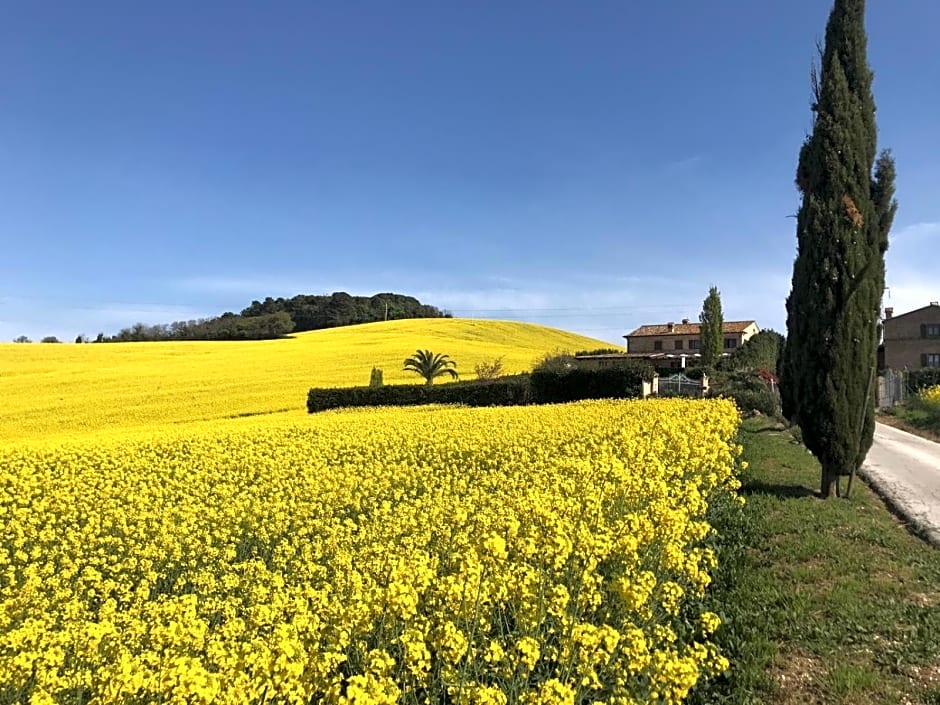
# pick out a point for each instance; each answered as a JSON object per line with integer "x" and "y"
{"x": 685, "y": 321}
{"x": 889, "y": 311}
{"x": 935, "y": 303}
{"x": 670, "y": 326}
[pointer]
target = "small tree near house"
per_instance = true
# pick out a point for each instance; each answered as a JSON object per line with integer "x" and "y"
{"x": 712, "y": 329}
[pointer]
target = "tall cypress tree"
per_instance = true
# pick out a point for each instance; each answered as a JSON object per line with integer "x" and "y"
{"x": 838, "y": 277}
{"x": 712, "y": 328}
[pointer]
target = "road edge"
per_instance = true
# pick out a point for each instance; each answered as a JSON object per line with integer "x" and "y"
{"x": 898, "y": 505}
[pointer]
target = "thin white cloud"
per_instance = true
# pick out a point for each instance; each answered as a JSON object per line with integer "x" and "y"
{"x": 603, "y": 305}
{"x": 912, "y": 278}
{"x": 142, "y": 313}
{"x": 916, "y": 232}
{"x": 39, "y": 318}
{"x": 488, "y": 300}
{"x": 610, "y": 307}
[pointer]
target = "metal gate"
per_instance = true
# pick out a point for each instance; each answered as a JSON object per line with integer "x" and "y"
{"x": 891, "y": 389}
{"x": 679, "y": 386}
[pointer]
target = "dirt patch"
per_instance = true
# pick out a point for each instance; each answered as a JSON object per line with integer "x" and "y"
{"x": 798, "y": 677}
{"x": 926, "y": 677}
{"x": 922, "y": 599}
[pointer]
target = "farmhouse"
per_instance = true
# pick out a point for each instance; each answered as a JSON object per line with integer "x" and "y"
{"x": 669, "y": 345}
{"x": 912, "y": 339}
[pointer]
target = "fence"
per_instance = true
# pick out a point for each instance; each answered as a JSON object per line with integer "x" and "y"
{"x": 681, "y": 386}
{"x": 891, "y": 389}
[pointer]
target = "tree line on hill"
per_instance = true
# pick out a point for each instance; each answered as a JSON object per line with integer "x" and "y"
{"x": 228, "y": 326}
{"x": 275, "y": 318}
{"x": 310, "y": 312}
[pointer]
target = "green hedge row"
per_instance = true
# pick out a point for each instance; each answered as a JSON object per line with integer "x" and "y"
{"x": 540, "y": 387}
{"x": 551, "y": 386}
{"x": 504, "y": 391}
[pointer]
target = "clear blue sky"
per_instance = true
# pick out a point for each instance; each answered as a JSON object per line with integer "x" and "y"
{"x": 591, "y": 166}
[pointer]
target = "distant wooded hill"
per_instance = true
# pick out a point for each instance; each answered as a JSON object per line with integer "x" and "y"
{"x": 275, "y": 318}
{"x": 340, "y": 309}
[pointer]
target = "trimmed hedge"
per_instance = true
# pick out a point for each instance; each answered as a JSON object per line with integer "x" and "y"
{"x": 503, "y": 391}
{"x": 552, "y": 386}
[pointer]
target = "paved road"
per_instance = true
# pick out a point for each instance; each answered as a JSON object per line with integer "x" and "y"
{"x": 905, "y": 470}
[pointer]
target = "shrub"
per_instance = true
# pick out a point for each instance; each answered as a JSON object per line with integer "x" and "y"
{"x": 921, "y": 411}
{"x": 558, "y": 361}
{"x": 747, "y": 400}
{"x": 923, "y": 378}
{"x": 506, "y": 391}
{"x": 489, "y": 370}
{"x": 697, "y": 373}
{"x": 554, "y": 384}
{"x": 600, "y": 351}
{"x": 931, "y": 395}
{"x": 748, "y": 391}
{"x": 375, "y": 379}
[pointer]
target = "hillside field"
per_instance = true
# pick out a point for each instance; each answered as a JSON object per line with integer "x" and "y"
{"x": 54, "y": 389}
{"x": 168, "y": 537}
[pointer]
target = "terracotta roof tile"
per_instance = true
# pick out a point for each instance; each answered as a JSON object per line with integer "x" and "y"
{"x": 686, "y": 329}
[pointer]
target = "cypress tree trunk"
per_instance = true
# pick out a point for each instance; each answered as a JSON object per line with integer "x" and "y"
{"x": 829, "y": 484}
{"x": 838, "y": 276}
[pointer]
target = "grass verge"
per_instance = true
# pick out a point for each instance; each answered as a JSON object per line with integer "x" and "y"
{"x": 913, "y": 421}
{"x": 822, "y": 601}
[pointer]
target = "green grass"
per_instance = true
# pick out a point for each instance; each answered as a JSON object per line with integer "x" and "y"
{"x": 823, "y": 601}
{"x": 918, "y": 414}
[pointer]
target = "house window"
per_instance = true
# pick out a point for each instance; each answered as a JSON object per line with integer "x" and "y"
{"x": 657, "y": 345}
{"x": 932, "y": 330}
{"x": 731, "y": 343}
{"x": 932, "y": 360}
{"x": 694, "y": 344}
{"x": 679, "y": 344}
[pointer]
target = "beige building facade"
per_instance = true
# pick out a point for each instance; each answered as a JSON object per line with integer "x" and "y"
{"x": 912, "y": 340}
{"x": 671, "y": 344}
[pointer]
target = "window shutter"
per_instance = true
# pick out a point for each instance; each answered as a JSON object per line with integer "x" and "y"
{"x": 923, "y": 359}
{"x": 923, "y": 331}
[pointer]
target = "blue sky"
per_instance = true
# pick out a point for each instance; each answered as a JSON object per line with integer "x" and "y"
{"x": 591, "y": 166}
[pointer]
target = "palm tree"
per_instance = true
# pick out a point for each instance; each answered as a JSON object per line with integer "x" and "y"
{"x": 430, "y": 365}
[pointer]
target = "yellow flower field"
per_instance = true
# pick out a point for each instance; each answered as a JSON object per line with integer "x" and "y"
{"x": 536, "y": 555}
{"x": 49, "y": 389}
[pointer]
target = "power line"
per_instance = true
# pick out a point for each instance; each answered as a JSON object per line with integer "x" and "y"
{"x": 579, "y": 308}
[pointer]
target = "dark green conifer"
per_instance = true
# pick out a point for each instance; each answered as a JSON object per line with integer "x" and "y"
{"x": 838, "y": 277}
{"x": 712, "y": 329}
